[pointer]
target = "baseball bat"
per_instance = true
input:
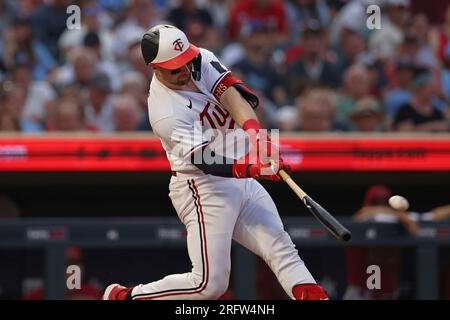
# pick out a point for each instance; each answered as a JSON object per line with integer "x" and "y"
{"x": 324, "y": 217}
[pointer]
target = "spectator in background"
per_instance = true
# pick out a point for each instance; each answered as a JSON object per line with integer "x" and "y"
{"x": 196, "y": 22}
{"x": 287, "y": 118}
{"x": 82, "y": 63}
{"x": 68, "y": 93}
{"x": 440, "y": 36}
{"x": 67, "y": 116}
{"x": 376, "y": 208}
{"x": 219, "y": 10}
{"x": 133, "y": 62}
{"x": 257, "y": 69}
{"x": 80, "y": 67}
{"x": 367, "y": 116}
{"x": 383, "y": 42}
{"x": 401, "y": 92}
{"x": 11, "y": 107}
{"x": 38, "y": 94}
{"x": 139, "y": 16}
{"x": 8, "y": 10}
{"x": 312, "y": 70}
{"x": 269, "y": 13}
{"x": 439, "y": 213}
{"x": 411, "y": 49}
{"x": 72, "y": 92}
{"x": 376, "y": 69}
{"x": 20, "y": 47}
{"x": 445, "y": 75}
{"x": 134, "y": 84}
{"x": 352, "y": 15}
{"x": 91, "y": 42}
{"x": 301, "y": 13}
{"x": 421, "y": 114}
{"x": 356, "y": 86}
{"x": 420, "y": 28}
{"x": 92, "y": 14}
{"x": 266, "y": 111}
{"x": 127, "y": 114}
{"x": 316, "y": 112}
{"x": 269, "y": 16}
{"x": 234, "y": 51}
{"x": 388, "y": 259}
{"x": 49, "y": 22}
{"x": 114, "y": 6}
{"x": 8, "y": 122}
{"x": 98, "y": 110}
{"x": 351, "y": 47}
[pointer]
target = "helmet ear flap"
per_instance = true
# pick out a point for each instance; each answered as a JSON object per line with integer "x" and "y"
{"x": 149, "y": 46}
{"x": 150, "y": 42}
{"x": 197, "y": 68}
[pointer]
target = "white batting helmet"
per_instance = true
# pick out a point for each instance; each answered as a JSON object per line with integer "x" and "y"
{"x": 167, "y": 47}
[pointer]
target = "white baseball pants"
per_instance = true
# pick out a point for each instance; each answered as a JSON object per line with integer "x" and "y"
{"x": 216, "y": 210}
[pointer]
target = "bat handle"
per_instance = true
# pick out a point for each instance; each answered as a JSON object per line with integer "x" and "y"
{"x": 283, "y": 174}
{"x": 286, "y": 178}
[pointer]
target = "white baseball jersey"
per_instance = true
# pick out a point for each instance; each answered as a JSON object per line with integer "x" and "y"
{"x": 183, "y": 119}
{"x": 214, "y": 209}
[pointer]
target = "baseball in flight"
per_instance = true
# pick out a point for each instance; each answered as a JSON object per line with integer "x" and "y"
{"x": 399, "y": 203}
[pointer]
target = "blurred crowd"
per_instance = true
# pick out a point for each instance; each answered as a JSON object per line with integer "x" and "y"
{"x": 315, "y": 64}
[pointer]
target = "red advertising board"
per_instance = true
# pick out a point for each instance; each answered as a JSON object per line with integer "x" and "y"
{"x": 140, "y": 153}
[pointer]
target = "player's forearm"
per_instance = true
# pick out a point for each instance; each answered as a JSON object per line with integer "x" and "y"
{"x": 370, "y": 212}
{"x": 239, "y": 109}
{"x": 221, "y": 166}
{"x": 441, "y": 213}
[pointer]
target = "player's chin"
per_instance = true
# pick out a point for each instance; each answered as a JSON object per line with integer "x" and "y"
{"x": 183, "y": 81}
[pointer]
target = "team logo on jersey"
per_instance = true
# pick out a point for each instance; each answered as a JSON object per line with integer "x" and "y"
{"x": 178, "y": 45}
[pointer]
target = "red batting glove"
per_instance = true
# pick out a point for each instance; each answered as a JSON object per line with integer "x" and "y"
{"x": 260, "y": 170}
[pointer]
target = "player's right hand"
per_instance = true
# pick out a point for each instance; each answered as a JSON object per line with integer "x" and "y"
{"x": 263, "y": 160}
{"x": 269, "y": 171}
{"x": 262, "y": 171}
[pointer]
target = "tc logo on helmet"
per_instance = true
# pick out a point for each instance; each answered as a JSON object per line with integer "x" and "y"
{"x": 178, "y": 45}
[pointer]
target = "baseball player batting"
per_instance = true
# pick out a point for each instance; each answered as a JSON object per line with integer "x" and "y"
{"x": 218, "y": 201}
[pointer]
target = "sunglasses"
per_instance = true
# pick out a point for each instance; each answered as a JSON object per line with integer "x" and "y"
{"x": 176, "y": 71}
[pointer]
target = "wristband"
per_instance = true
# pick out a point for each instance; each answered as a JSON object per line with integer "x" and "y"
{"x": 251, "y": 124}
